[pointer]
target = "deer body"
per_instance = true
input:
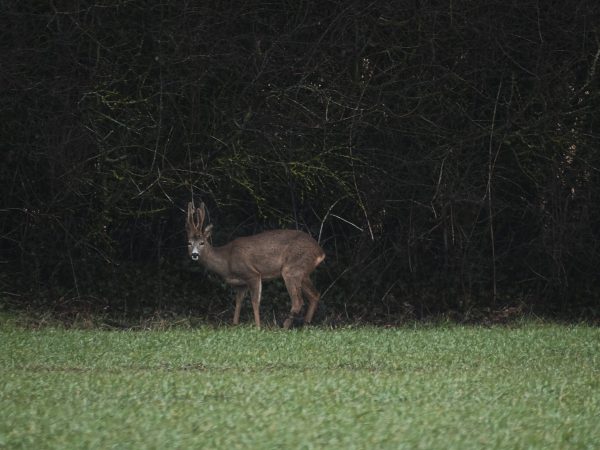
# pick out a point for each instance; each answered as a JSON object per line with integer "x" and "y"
{"x": 246, "y": 262}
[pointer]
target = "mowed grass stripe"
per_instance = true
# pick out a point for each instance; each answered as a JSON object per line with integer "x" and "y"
{"x": 316, "y": 348}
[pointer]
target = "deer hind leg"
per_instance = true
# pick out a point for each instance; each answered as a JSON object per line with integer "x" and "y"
{"x": 240, "y": 293}
{"x": 255, "y": 286}
{"x": 313, "y": 298}
{"x": 294, "y": 286}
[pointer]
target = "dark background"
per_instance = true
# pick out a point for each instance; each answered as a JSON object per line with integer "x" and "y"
{"x": 445, "y": 153}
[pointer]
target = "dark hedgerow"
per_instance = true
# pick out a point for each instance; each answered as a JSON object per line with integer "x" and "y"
{"x": 445, "y": 155}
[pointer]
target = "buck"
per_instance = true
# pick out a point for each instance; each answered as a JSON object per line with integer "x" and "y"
{"x": 246, "y": 262}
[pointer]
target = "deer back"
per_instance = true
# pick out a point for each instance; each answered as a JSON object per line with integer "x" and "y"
{"x": 269, "y": 252}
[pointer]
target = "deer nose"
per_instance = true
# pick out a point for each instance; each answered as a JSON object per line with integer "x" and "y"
{"x": 194, "y": 256}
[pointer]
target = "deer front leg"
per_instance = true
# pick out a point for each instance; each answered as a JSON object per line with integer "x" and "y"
{"x": 240, "y": 293}
{"x": 255, "y": 286}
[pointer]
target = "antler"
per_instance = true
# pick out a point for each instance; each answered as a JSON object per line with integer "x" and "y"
{"x": 195, "y": 218}
{"x": 201, "y": 213}
{"x": 190, "y": 225}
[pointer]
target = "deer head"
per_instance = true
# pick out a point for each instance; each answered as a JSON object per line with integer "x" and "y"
{"x": 198, "y": 239}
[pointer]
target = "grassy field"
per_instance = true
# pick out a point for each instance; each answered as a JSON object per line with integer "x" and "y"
{"x": 529, "y": 386}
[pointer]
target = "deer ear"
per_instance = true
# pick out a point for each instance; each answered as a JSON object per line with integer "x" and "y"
{"x": 208, "y": 231}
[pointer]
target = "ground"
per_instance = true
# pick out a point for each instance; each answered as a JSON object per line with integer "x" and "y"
{"x": 532, "y": 385}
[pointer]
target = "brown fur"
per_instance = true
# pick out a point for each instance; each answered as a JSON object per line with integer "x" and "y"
{"x": 246, "y": 261}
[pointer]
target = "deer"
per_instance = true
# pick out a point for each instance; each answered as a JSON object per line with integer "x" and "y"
{"x": 245, "y": 262}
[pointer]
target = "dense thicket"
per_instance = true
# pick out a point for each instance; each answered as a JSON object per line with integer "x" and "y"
{"x": 445, "y": 153}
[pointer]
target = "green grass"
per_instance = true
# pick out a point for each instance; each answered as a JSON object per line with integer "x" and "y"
{"x": 533, "y": 386}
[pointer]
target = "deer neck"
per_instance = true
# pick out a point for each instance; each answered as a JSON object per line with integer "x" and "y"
{"x": 215, "y": 260}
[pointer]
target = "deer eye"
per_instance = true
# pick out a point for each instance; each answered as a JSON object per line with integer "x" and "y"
{"x": 189, "y": 244}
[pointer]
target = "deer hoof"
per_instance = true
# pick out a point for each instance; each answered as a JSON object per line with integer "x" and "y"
{"x": 293, "y": 322}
